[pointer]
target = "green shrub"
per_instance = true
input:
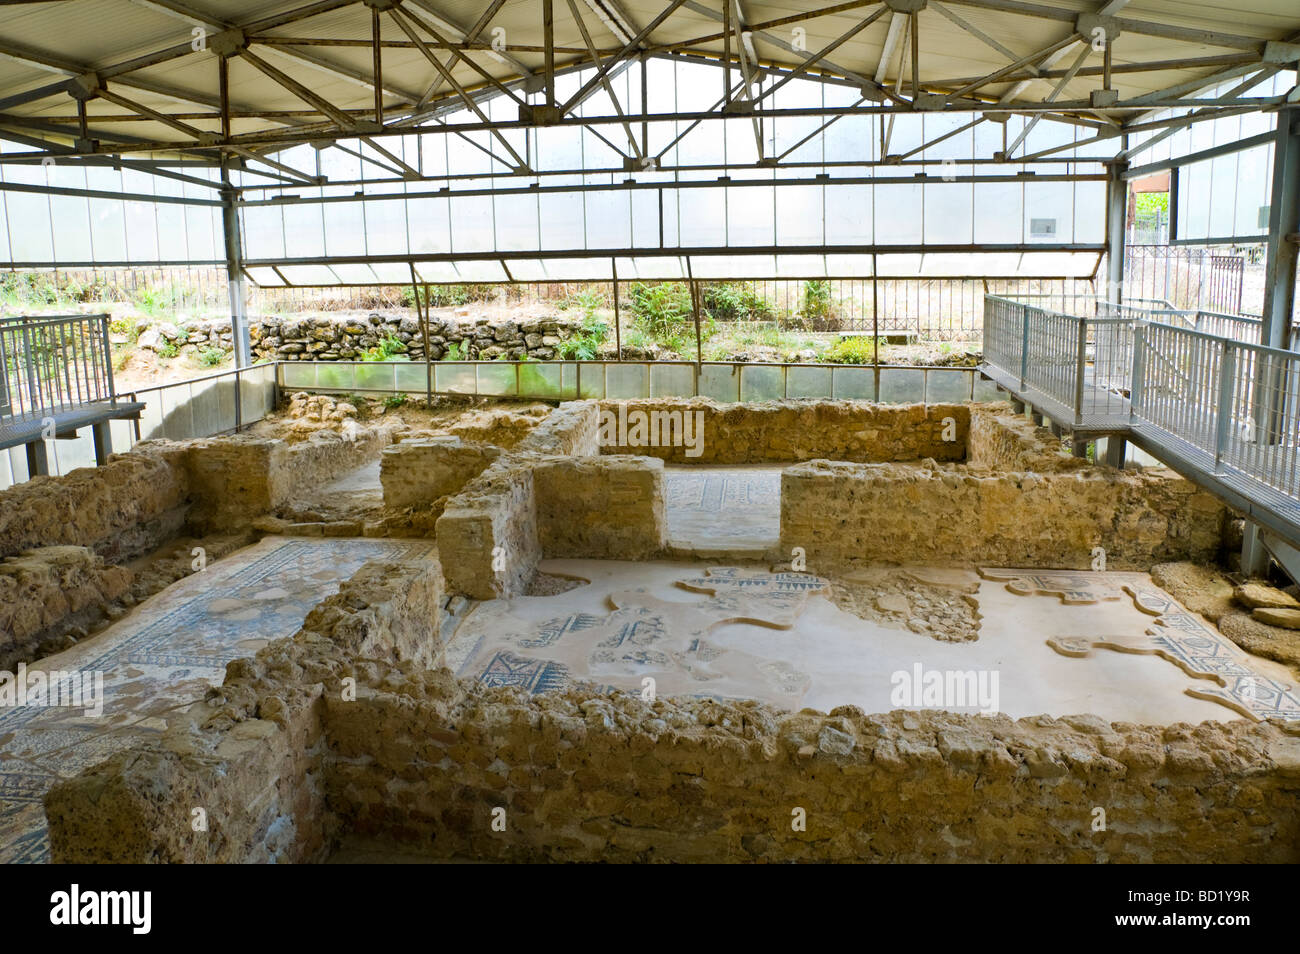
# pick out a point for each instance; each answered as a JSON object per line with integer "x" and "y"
{"x": 455, "y": 352}
{"x": 818, "y": 308}
{"x": 857, "y": 350}
{"x": 168, "y": 349}
{"x": 392, "y": 401}
{"x": 390, "y": 348}
{"x": 735, "y": 301}
{"x": 211, "y": 357}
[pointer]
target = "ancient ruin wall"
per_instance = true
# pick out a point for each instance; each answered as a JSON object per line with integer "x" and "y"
{"x": 1000, "y": 439}
{"x": 121, "y": 510}
{"x": 487, "y": 535}
{"x": 424, "y": 761}
{"x": 285, "y": 761}
{"x": 844, "y": 514}
{"x": 237, "y": 479}
{"x": 46, "y": 591}
{"x": 572, "y": 430}
{"x": 251, "y": 755}
{"x": 609, "y": 508}
{"x": 416, "y": 473}
{"x": 790, "y": 431}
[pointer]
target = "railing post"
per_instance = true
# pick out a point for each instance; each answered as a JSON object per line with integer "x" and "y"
{"x": 1079, "y": 369}
{"x": 1223, "y": 415}
{"x": 1024, "y": 346}
{"x": 1139, "y": 368}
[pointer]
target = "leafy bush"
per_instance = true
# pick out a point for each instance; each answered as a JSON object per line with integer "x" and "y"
{"x": 663, "y": 312}
{"x": 392, "y": 401}
{"x": 455, "y": 352}
{"x": 818, "y": 307}
{"x": 856, "y": 350}
{"x": 168, "y": 349}
{"x": 390, "y": 348}
{"x": 211, "y": 357}
{"x": 735, "y": 301}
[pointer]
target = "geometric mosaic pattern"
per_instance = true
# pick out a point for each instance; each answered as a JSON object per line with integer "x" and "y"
{"x": 1180, "y": 637}
{"x": 643, "y": 633}
{"x": 161, "y": 657}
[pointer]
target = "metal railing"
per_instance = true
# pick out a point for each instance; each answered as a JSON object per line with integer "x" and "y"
{"x": 1227, "y": 407}
{"x": 1238, "y": 402}
{"x": 1081, "y": 364}
{"x": 54, "y": 363}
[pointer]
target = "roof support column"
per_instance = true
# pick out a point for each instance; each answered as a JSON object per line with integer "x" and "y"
{"x": 1116, "y": 220}
{"x": 1283, "y": 232}
{"x": 235, "y": 278}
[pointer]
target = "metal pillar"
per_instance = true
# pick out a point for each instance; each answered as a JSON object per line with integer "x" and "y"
{"x": 235, "y": 279}
{"x": 1254, "y": 558}
{"x": 103, "y": 437}
{"x": 1116, "y": 219}
{"x": 1283, "y": 232}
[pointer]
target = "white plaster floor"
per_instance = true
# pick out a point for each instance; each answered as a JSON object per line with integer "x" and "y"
{"x": 827, "y": 657}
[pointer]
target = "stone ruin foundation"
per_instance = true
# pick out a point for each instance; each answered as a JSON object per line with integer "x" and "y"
{"x": 357, "y": 729}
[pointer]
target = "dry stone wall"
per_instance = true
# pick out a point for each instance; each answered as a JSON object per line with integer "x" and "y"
{"x": 1003, "y": 440}
{"x": 415, "y": 473}
{"x": 335, "y": 337}
{"x": 844, "y": 514}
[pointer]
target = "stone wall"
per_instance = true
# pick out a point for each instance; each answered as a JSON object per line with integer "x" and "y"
{"x": 790, "y": 431}
{"x": 487, "y": 535}
{"x": 415, "y": 473}
{"x": 333, "y": 337}
{"x": 285, "y": 763}
{"x": 121, "y": 510}
{"x": 48, "y": 591}
{"x": 1000, "y": 439}
{"x": 844, "y": 514}
{"x": 252, "y": 755}
{"x": 423, "y": 761}
{"x": 237, "y": 479}
{"x": 609, "y": 508}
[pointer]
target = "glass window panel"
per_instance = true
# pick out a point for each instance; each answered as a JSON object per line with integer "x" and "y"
{"x": 750, "y": 216}
{"x": 429, "y": 225}
{"x": 263, "y": 227}
{"x": 898, "y": 213}
{"x": 472, "y": 224}
{"x": 609, "y": 221}
{"x": 703, "y": 215}
{"x": 516, "y": 223}
{"x": 562, "y": 221}
{"x": 800, "y": 215}
{"x": 29, "y": 227}
{"x": 71, "y": 218}
{"x": 386, "y": 227}
{"x": 948, "y": 211}
{"x": 345, "y": 228}
{"x": 849, "y": 215}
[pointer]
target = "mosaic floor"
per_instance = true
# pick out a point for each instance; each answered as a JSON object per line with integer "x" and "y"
{"x": 731, "y": 507}
{"x": 776, "y": 637}
{"x": 162, "y": 657}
